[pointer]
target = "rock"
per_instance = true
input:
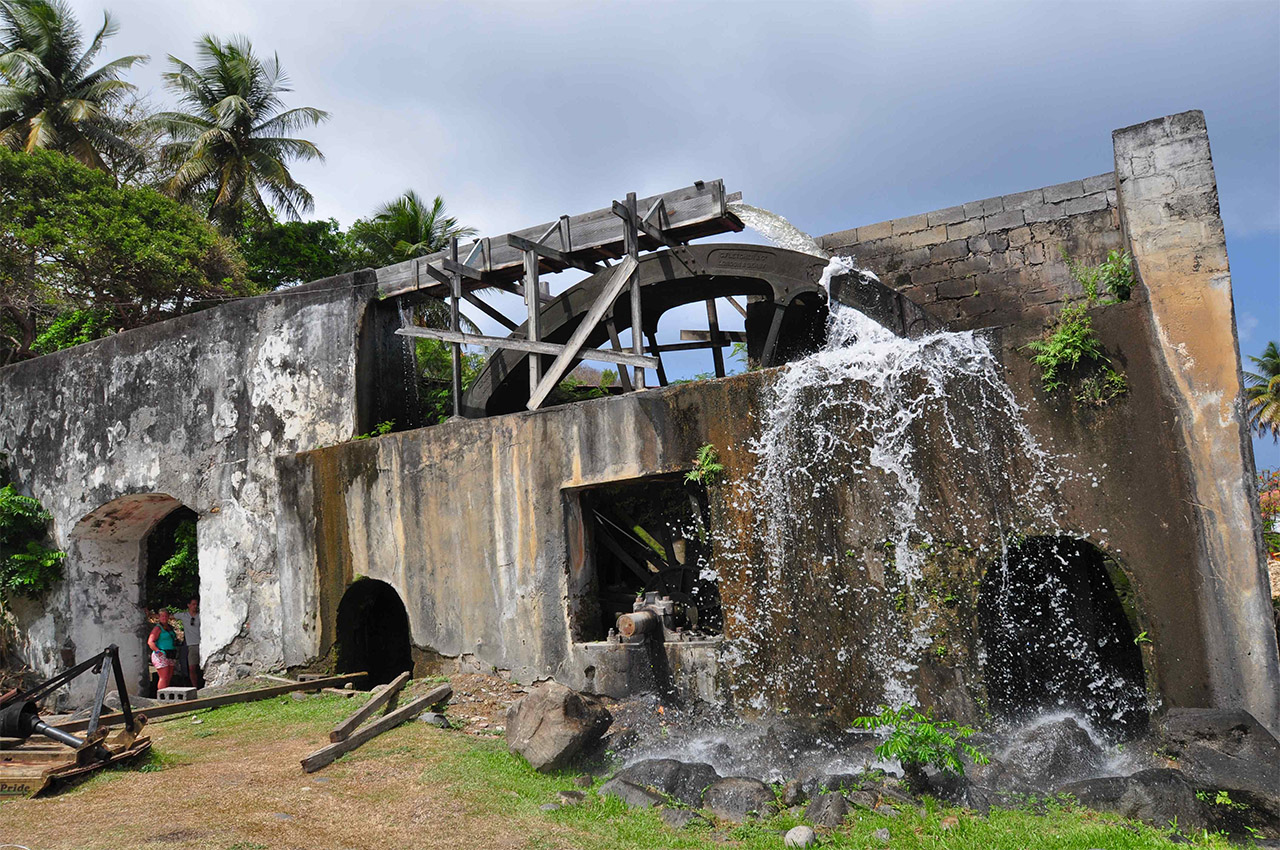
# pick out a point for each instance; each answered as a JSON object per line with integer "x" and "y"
{"x": 1224, "y": 748}
{"x": 679, "y": 818}
{"x": 828, "y": 810}
{"x": 298, "y": 695}
{"x": 886, "y": 810}
{"x": 552, "y": 724}
{"x": 281, "y": 816}
{"x": 684, "y": 781}
{"x": 1156, "y": 796}
{"x": 583, "y": 781}
{"x": 793, "y": 793}
{"x": 881, "y": 835}
{"x": 433, "y": 718}
{"x": 634, "y": 796}
{"x": 799, "y": 836}
{"x": 571, "y": 798}
{"x": 825, "y": 782}
{"x": 549, "y": 807}
{"x": 1054, "y": 753}
{"x": 737, "y": 798}
{"x": 863, "y": 799}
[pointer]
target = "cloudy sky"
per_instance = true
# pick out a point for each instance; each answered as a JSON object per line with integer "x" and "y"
{"x": 833, "y": 114}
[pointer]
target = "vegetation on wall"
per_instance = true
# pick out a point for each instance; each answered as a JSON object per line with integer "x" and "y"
{"x": 1269, "y": 504}
{"x": 707, "y": 467}
{"x": 27, "y": 567}
{"x": 1069, "y": 353}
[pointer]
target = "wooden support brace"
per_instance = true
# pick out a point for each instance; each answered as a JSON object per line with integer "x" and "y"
{"x": 328, "y": 755}
{"x": 713, "y": 323}
{"x": 726, "y": 337}
{"x": 344, "y": 729}
{"x": 533, "y": 325}
{"x": 662, "y": 370}
{"x": 624, "y": 377}
{"x": 455, "y": 354}
{"x": 518, "y": 344}
{"x": 489, "y": 310}
{"x": 618, "y": 279}
{"x": 544, "y": 250}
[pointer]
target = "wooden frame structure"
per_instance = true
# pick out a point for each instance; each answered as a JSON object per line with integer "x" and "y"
{"x": 588, "y": 242}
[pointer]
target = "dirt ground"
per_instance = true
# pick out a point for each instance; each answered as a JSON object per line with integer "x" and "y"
{"x": 231, "y": 779}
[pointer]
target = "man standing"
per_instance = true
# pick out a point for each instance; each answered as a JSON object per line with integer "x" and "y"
{"x": 191, "y": 629}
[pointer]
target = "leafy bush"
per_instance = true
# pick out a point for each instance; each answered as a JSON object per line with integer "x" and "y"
{"x": 379, "y": 430}
{"x": 918, "y": 741}
{"x": 1113, "y": 277}
{"x": 1069, "y": 348}
{"x": 706, "y": 466}
{"x": 27, "y": 566}
{"x": 75, "y": 327}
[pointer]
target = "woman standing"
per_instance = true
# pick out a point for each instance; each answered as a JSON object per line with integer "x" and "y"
{"x": 164, "y": 649}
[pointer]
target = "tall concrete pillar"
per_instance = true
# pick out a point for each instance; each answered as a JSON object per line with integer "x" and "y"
{"x": 1168, "y": 201}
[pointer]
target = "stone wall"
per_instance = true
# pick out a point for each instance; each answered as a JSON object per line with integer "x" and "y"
{"x": 992, "y": 262}
{"x": 113, "y": 434}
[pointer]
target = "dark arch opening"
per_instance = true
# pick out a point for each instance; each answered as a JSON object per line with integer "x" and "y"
{"x": 173, "y": 565}
{"x": 1057, "y": 621}
{"x": 373, "y": 632}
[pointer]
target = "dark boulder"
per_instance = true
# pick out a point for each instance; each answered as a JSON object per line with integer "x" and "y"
{"x": 1158, "y": 796}
{"x": 683, "y": 781}
{"x": 827, "y": 810}
{"x": 680, "y": 818}
{"x": 1224, "y": 748}
{"x": 635, "y": 796}
{"x": 1054, "y": 753}
{"x": 552, "y": 725}
{"x": 737, "y": 798}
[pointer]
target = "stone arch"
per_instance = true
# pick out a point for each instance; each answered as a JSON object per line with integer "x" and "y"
{"x": 373, "y": 632}
{"x": 106, "y": 577}
{"x": 1059, "y": 624}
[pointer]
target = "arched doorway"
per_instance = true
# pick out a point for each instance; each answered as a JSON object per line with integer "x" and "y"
{"x": 373, "y": 632}
{"x": 1059, "y": 628}
{"x": 107, "y": 565}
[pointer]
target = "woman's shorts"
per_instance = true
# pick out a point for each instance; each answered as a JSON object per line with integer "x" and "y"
{"x": 159, "y": 661}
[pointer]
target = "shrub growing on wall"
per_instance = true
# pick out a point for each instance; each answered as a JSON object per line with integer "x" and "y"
{"x": 27, "y": 566}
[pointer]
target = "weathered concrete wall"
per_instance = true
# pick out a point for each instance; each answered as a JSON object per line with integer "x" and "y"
{"x": 191, "y": 411}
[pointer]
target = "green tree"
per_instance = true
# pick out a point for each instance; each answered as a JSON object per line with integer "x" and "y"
{"x": 1262, "y": 391}
{"x": 282, "y": 253}
{"x": 405, "y": 228}
{"x": 230, "y": 151}
{"x": 70, "y": 240}
{"x": 49, "y": 97}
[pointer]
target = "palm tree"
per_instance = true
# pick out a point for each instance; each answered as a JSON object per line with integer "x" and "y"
{"x": 1263, "y": 393}
{"x": 405, "y": 228}
{"x": 48, "y": 96}
{"x": 233, "y": 146}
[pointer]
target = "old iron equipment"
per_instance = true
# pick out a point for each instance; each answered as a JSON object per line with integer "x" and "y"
{"x": 19, "y": 712}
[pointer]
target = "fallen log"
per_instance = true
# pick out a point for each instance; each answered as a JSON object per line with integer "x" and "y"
{"x": 214, "y": 702}
{"x": 344, "y": 729}
{"x": 327, "y": 755}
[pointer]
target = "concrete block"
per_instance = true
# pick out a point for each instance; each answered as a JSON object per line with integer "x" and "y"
{"x": 910, "y": 224}
{"x": 1100, "y": 183}
{"x": 1087, "y": 204}
{"x": 176, "y": 694}
{"x": 979, "y": 244}
{"x": 871, "y": 232}
{"x": 1022, "y": 200}
{"x": 930, "y": 274}
{"x": 1019, "y": 236}
{"x": 951, "y": 215}
{"x": 1004, "y": 220}
{"x": 953, "y": 250}
{"x": 1063, "y": 191}
{"x": 970, "y": 265}
{"x": 925, "y": 238}
{"x": 1046, "y": 212}
{"x": 964, "y": 229}
{"x": 989, "y": 206}
{"x": 839, "y": 239}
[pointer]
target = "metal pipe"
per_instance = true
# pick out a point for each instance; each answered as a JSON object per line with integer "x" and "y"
{"x": 39, "y": 727}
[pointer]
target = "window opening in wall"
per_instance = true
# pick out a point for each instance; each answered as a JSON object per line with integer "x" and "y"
{"x": 648, "y": 535}
{"x": 373, "y": 632}
{"x": 1058, "y": 621}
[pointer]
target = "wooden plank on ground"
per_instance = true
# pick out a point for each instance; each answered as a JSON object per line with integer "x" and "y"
{"x": 344, "y": 729}
{"x": 327, "y": 755}
{"x": 152, "y": 712}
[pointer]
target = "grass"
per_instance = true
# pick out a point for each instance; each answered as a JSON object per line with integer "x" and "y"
{"x": 236, "y": 771}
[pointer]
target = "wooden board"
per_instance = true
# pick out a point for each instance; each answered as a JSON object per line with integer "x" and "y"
{"x": 152, "y": 712}
{"x": 694, "y": 211}
{"x": 344, "y": 729}
{"x": 35, "y": 767}
{"x": 327, "y": 755}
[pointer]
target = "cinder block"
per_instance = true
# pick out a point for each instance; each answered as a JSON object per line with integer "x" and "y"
{"x": 872, "y": 232}
{"x": 1022, "y": 200}
{"x": 176, "y": 694}
{"x": 1101, "y": 183}
{"x": 910, "y": 224}
{"x": 1087, "y": 204}
{"x": 964, "y": 229}
{"x": 1004, "y": 220}
{"x": 1063, "y": 191}
{"x": 925, "y": 238}
{"x": 953, "y": 250}
{"x": 951, "y": 215}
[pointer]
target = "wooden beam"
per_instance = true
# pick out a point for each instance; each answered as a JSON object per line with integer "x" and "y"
{"x": 155, "y": 711}
{"x": 624, "y": 378}
{"x": 328, "y": 755}
{"x": 455, "y": 320}
{"x": 734, "y": 303}
{"x": 713, "y": 323}
{"x": 631, "y": 240}
{"x": 618, "y": 279}
{"x": 661, "y": 369}
{"x": 544, "y": 250}
{"x": 344, "y": 729}
{"x": 518, "y": 344}
{"x": 452, "y": 266}
{"x": 490, "y": 311}
{"x": 726, "y": 337}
